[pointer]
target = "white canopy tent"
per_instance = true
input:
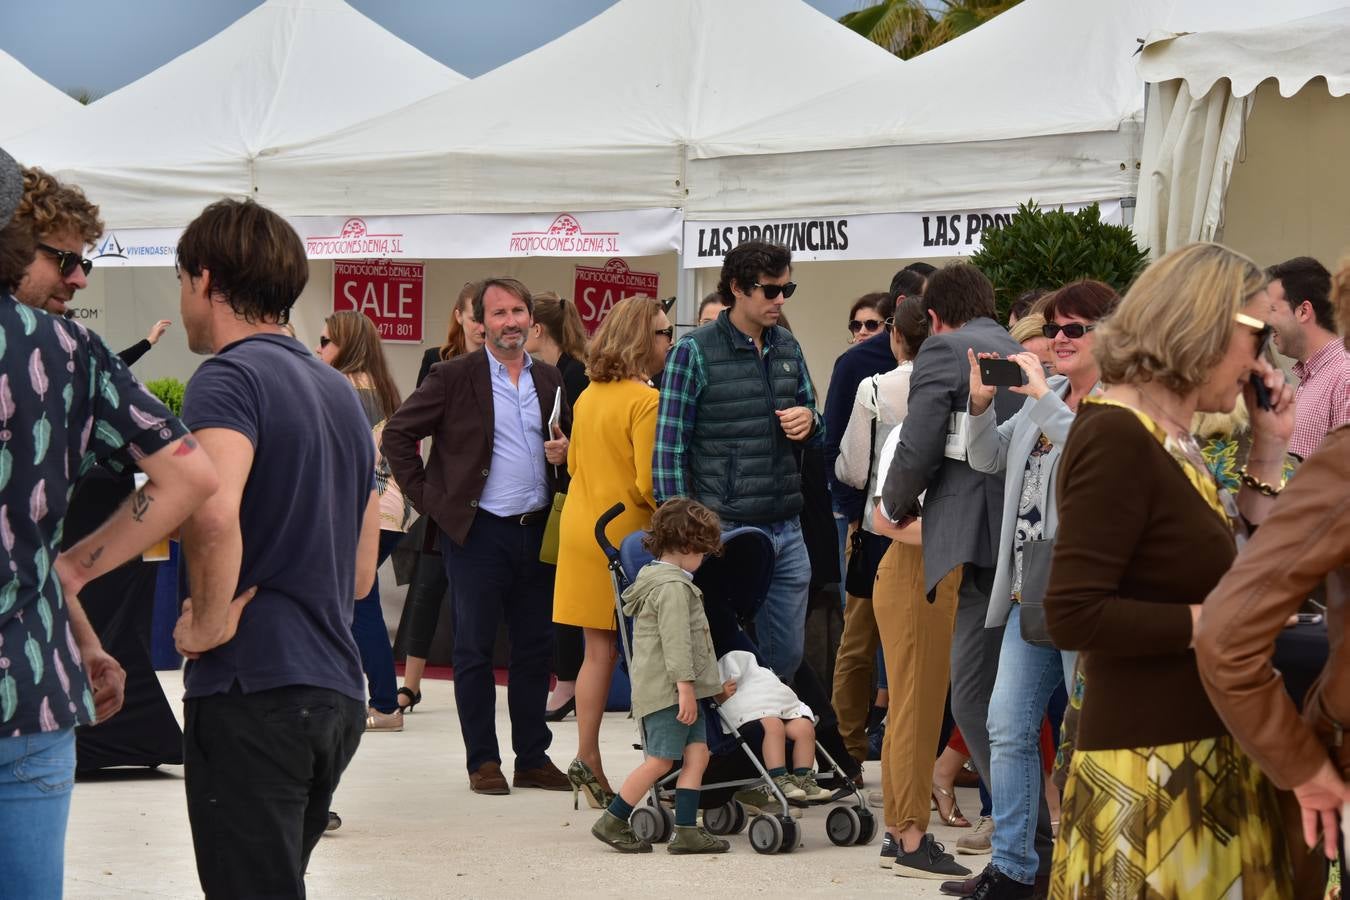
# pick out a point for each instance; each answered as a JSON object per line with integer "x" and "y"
{"x": 27, "y": 102}
{"x": 1043, "y": 102}
{"x": 153, "y": 153}
{"x": 1204, "y": 67}
{"x": 584, "y": 137}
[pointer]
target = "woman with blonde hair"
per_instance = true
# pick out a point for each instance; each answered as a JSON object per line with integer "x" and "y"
{"x": 350, "y": 343}
{"x": 610, "y": 459}
{"x": 1160, "y": 800}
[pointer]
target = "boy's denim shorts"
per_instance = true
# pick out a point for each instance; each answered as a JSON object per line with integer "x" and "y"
{"x": 666, "y": 737}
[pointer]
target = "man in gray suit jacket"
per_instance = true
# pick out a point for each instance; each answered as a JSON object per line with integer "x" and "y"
{"x": 962, "y": 508}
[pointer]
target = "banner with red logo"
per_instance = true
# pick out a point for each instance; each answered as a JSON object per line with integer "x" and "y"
{"x": 597, "y": 290}
{"x": 389, "y": 292}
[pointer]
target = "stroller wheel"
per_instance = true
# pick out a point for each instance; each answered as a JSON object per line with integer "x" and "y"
{"x": 652, "y": 824}
{"x": 843, "y": 826}
{"x": 741, "y": 818}
{"x": 792, "y": 834}
{"x": 869, "y": 826}
{"x": 729, "y": 818}
{"x": 766, "y": 834}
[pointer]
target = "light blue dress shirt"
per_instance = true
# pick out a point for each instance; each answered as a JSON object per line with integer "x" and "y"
{"x": 517, "y": 481}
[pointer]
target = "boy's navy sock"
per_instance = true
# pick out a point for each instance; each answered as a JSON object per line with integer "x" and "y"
{"x": 777, "y": 770}
{"x": 686, "y": 807}
{"x": 620, "y": 808}
{"x": 801, "y": 773}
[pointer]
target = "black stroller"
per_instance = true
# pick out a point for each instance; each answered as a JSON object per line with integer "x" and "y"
{"x": 733, "y": 587}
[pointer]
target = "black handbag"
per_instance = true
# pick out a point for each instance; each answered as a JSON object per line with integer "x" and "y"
{"x": 1035, "y": 579}
{"x": 865, "y": 549}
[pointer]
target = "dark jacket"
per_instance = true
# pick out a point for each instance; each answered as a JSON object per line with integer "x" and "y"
{"x": 454, "y": 407}
{"x": 871, "y": 357}
{"x": 574, "y": 377}
{"x": 741, "y": 464}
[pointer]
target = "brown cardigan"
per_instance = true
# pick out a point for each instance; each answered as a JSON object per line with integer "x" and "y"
{"x": 1137, "y": 546}
{"x": 453, "y": 407}
{"x": 1305, "y": 539}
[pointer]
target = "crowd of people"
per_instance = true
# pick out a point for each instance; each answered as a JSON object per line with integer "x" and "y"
{"x": 1070, "y": 545}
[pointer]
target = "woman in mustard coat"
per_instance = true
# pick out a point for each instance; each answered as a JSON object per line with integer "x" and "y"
{"x": 610, "y": 458}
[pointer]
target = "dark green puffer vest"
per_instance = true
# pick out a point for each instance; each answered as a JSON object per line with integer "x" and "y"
{"x": 741, "y": 464}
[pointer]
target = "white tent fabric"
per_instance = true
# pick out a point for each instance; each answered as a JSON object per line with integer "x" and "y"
{"x": 1041, "y": 102}
{"x": 27, "y": 102}
{"x": 598, "y": 119}
{"x": 155, "y": 152}
{"x": 1202, "y": 69}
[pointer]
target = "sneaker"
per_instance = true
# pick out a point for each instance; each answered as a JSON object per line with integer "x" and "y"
{"x": 929, "y": 860}
{"x": 889, "y": 847}
{"x": 876, "y": 799}
{"x": 811, "y": 791}
{"x": 379, "y": 721}
{"x": 980, "y": 840}
{"x": 619, "y": 834}
{"x": 692, "y": 839}
{"x": 790, "y": 788}
{"x": 759, "y": 800}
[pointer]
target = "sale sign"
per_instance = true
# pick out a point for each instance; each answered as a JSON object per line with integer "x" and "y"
{"x": 597, "y": 290}
{"x": 387, "y": 291}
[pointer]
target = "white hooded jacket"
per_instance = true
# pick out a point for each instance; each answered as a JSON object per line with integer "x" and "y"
{"x": 759, "y": 692}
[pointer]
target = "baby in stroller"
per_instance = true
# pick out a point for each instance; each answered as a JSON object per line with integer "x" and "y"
{"x": 752, "y": 693}
{"x": 673, "y": 667}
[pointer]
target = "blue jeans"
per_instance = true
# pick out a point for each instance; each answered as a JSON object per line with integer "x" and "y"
{"x": 780, "y": 626}
{"x": 1027, "y": 677}
{"x": 372, "y": 637}
{"x": 841, "y": 524}
{"x": 37, "y": 772}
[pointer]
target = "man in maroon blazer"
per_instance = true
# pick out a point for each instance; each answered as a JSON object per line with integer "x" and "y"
{"x": 495, "y": 464}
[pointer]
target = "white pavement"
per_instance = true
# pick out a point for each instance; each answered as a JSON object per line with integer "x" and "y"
{"x": 412, "y": 828}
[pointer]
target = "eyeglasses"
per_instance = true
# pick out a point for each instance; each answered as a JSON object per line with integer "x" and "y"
{"x": 1073, "y": 331}
{"x": 771, "y": 291}
{"x": 68, "y": 260}
{"x": 868, "y": 325}
{"x": 668, "y": 332}
{"x": 324, "y": 341}
{"x": 1264, "y": 331}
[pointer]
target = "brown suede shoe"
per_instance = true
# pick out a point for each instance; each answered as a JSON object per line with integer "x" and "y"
{"x": 547, "y": 777}
{"x": 488, "y": 780}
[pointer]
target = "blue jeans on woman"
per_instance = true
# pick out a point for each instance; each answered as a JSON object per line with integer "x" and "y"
{"x": 37, "y": 772}
{"x": 1027, "y": 677}
{"x": 372, "y": 637}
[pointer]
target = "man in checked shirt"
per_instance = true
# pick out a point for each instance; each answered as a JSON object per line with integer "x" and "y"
{"x": 737, "y": 405}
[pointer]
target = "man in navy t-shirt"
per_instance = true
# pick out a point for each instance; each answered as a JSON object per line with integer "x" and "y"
{"x": 274, "y": 704}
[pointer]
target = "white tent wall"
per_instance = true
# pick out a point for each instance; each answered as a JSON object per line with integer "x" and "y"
{"x": 1290, "y": 189}
{"x": 27, "y": 102}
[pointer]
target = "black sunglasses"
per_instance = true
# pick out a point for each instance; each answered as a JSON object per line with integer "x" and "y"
{"x": 868, "y": 325}
{"x": 668, "y": 332}
{"x": 1073, "y": 331}
{"x": 68, "y": 260}
{"x": 324, "y": 341}
{"x": 771, "y": 291}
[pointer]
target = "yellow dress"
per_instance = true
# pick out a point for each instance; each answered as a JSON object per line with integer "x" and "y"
{"x": 610, "y": 458}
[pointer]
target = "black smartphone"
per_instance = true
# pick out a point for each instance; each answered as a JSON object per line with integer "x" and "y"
{"x": 1259, "y": 388}
{"x": 1001, "y": 373}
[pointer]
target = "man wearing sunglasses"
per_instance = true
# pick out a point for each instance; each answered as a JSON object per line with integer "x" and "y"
{"x": 736, "y": 405}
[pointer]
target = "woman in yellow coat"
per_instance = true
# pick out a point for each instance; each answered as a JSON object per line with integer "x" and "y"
{"x": 610, "y": 458}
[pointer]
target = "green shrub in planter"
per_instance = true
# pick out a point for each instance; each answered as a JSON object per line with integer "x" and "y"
{"x": 170, "y": 393}
{"x": 1050, "y": 248}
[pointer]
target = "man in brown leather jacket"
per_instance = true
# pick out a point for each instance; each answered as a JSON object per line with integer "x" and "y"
{"x": 1305, "y": 541}
{"x": 495, "y": 464}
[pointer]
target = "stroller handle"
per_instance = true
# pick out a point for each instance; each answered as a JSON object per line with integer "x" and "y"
{"x": 602, "y": 523}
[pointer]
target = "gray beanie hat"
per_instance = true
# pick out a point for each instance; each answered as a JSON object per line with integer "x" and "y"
{"x": 11, "y": 187}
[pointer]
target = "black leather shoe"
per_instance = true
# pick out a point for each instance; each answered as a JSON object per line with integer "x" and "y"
{"x": 994, "y": 885}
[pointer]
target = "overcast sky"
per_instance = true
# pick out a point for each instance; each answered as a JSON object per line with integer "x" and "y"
{"x": 101, "y": 45}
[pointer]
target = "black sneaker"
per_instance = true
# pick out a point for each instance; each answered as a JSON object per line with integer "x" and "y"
{"x": 889, "y": 847}
{"x": 929, "y": 860}
{"x": 995, "y": 885}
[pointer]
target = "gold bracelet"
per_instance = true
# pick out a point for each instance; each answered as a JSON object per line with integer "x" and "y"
{"x": 1251, "y": 481}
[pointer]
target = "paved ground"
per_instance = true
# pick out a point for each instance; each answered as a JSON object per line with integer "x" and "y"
{"x": 412, "y": 829}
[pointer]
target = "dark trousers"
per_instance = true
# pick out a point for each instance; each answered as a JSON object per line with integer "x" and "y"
{"x": 569, "y": 651}
{"x": 261, "y": 770}
{"x": 372, "y": 637}
{"x": 496, "y": 574}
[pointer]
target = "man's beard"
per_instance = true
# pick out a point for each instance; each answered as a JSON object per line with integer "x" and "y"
{"x": 509, "y": 340}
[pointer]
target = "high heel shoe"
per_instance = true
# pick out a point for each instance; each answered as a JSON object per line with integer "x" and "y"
{"x": 584, "y": 780}
{"x": 952, "y": 816}
{"x": 414, "y": 698}
{"x": 557, "y": 715}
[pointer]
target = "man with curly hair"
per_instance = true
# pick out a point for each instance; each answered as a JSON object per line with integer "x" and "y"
{"x": 64, "y": 223}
